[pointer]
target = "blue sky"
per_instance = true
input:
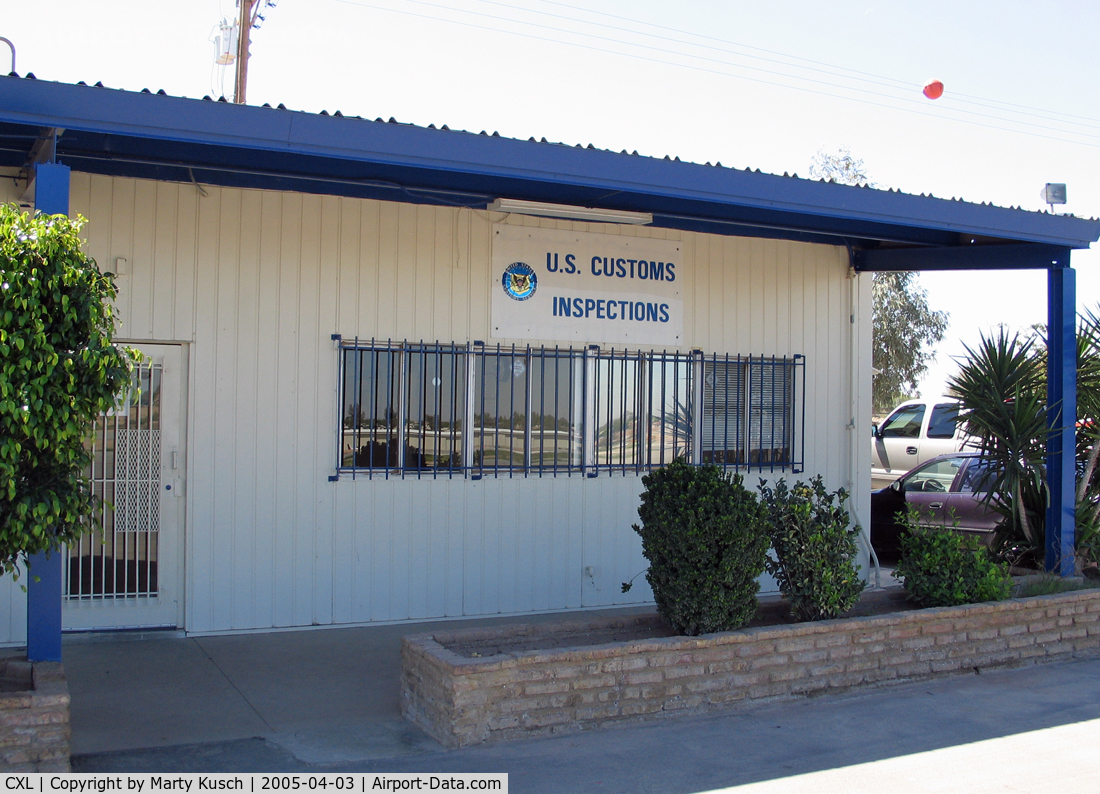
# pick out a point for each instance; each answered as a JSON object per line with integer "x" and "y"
{"x": 745, "y": 83}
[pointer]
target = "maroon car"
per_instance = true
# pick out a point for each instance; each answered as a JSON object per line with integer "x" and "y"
{"x": 948, "y": 490}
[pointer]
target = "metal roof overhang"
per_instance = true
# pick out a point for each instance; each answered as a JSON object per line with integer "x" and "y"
{"x": 154, "y": 136}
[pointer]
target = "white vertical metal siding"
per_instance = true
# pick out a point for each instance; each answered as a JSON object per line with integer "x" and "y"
{"x": 257, "y": 282}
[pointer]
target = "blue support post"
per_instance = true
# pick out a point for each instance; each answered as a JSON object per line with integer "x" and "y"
{"x": 1061, "y": 418}
{"x": 51, "y": 188}
{"x": 51, "y": 196}
{"x": 44, "y": 607}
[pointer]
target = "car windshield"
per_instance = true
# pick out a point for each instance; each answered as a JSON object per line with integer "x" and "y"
{"x": 905, "y": 423}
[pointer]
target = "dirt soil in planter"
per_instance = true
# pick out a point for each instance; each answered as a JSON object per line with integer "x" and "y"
{"x": 773, "y": 611}
{"x": 15, "y": 672}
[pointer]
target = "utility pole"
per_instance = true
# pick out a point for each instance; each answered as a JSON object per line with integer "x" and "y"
{"x": 244, "y": 28}
{"x": 249, "y": 18}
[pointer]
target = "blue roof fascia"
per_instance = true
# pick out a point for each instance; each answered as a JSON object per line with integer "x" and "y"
{"x": 380, "y": 189}
{"x": 1015, "y": 256}
{"x": 281, "y": 171}
{"x": 494, "y": 165}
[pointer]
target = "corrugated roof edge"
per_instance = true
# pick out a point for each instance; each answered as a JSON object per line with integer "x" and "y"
{"x": 317, "y": 134}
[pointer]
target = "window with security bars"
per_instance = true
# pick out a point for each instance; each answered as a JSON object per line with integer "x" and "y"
{"x": 416, "y": 410}
{"x": 642, "y": 410}
{"x": 526, "y": 410}
{"x": 748, "y": 412}
{"x": 403, "y": 409}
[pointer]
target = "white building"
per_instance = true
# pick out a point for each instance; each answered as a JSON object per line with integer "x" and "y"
{"x": 399, "y": 374}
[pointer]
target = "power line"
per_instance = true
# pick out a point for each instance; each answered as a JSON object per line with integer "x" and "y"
{"x": 828, "y": 67}
{"x": 651, "y": 59}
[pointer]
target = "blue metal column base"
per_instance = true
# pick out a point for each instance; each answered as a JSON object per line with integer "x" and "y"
{"x": 44, "y": 607}
{"x": 1061, "y": 419}
{"x": 51, "y": 196}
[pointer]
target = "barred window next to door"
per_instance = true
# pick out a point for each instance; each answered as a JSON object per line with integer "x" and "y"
{"x": 448, "y": 410}
{"x": 403, "y": 409}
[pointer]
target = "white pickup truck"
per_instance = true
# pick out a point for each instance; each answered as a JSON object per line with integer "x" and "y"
{"x": 915, "y": 431}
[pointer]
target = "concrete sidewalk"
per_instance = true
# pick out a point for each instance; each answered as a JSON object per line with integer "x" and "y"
{"x": 328, "y": 700}
{"x": 325, "y": 695}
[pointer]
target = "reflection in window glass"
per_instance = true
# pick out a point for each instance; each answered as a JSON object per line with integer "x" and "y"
{"x": 667, "y": 428}
{"x": 527, "y": 410}
{"x": 500, "y": 410}
{"x": 616, "y": 396}
{"x": 556, "y": 389}
{"x": 643, "y": 410}
{"x": 434, "y": 406}
{"x": 370, "y": 419}
{"x": 905, "y": 423}
{"x": 432, "y": 409}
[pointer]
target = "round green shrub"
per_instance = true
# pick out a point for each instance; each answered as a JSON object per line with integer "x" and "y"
{"x": 705, "y": 537}
{"x": 942, "y": 568}
{"x": 815, "y": 548}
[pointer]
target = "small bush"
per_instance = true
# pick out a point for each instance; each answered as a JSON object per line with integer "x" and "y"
{"x": 943, "y": 568}
{"x": 705, "y": 537}
{"x": 815, "y": 549}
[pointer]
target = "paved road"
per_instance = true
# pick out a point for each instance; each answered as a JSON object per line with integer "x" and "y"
{"x": 1029, "y": 729}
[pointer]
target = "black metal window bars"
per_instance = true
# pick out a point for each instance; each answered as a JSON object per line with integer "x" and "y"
{"x": 418, "y": 409}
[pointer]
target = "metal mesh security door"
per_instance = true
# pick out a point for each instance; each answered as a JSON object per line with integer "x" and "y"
{"x": 125, "y": 571}
{"x": 118, "y": 559}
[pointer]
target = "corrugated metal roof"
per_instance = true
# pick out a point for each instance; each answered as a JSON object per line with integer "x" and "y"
{"x": 158, "y": 136}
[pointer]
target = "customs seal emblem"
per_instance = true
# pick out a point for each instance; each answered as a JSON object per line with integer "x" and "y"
{"x": 519, "y": 281}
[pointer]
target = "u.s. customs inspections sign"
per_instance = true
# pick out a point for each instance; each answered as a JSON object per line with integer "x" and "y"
{"x": 580, "y": 287}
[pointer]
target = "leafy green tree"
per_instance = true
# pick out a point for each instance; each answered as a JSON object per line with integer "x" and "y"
{"x": 905, "y": 333}
{"x": 58, "y": 371}
{"x": 840, "y": 167}
{"x": 905, "y": 328}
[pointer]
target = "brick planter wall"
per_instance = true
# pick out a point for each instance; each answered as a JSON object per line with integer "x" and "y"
{"x": 34, "y": 719}
{"x": 462, "y": 701}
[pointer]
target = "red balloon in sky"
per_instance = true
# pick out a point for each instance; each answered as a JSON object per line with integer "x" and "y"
{"x": 934, "y": 89}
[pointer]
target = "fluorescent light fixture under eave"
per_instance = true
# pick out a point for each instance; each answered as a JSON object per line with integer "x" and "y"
{"x": 567, "y": 211}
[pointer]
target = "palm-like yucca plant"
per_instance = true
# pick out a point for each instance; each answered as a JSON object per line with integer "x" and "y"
{"x": 1088, "y": 436}
{"x": 1002, "y": 388}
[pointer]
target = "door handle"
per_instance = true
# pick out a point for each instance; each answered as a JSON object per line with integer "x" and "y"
{"x": 935, "y": 505}
{"x": 910, "y": 450}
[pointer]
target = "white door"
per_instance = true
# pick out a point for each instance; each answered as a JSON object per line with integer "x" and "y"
{"x": 128, "y": 572}
{"x": 896, "y": 448}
